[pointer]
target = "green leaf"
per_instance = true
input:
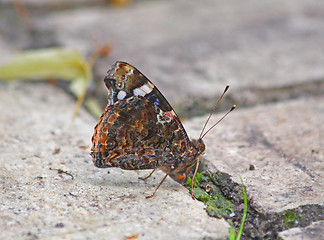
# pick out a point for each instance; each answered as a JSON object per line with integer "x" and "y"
{"x": 232, "y": 234}
{"x": 50, "y": 63}
{"x": 244, "y": 211}
{"x": 93, "y": 107}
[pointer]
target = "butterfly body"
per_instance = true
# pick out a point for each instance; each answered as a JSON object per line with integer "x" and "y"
{"x": 139, "y": 129}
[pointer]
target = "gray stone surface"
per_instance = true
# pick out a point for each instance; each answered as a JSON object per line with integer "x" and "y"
{"x": 57, "y": 4}
{"x": 38, "y": 203}
{"x": 266, "y": 50}
{"x": 315, "y": 231}
{"x": 6, "y": 51}
{"x": 284, "y": 142}
{"x": 198, "y": 48}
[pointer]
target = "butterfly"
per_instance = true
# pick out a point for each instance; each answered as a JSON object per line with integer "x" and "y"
{"x": 140, "y": 130}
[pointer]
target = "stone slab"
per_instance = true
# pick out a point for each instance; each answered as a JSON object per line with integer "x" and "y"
{"x": 189, "y": 48}
{"x": 36, "y": 134}
{"x": 284, "y": 141}
{"x": 190, "y": 51}
{"x": 6, "y": 51}
{"x": 315, "y": 231}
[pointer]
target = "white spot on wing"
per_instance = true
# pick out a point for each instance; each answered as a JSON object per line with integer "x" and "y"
{"x": 143, "y": 90}
{"x": 121, "y": 95}
{"x": 131, "y": 72}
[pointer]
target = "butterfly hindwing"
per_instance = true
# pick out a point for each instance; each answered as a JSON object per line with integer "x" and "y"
{"x": 132, "y": 130}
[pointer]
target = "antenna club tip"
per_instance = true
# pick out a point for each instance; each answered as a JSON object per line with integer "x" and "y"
{"x": 226, "y": 88}
{"x": 234, "y": 106}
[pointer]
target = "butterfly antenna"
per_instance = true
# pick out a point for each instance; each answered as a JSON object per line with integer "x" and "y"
{"x": 212, "y": 112}
{"x": 197, "y": 164}
{"x": 234, "y": 106}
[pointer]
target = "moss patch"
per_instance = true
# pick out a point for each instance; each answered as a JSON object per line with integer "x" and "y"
{"x": 291, "y": 218}
{"x": 217, "y": 204}
{"x": 224, "y": 199}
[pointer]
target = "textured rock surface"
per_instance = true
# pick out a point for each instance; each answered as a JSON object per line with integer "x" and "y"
{"x": 199, "y": 48}
{"x": 315, "y": 231}
{"x": 38, "y": 203}
{"x": 283, "y": 141}
{"x": 271, "y": 52}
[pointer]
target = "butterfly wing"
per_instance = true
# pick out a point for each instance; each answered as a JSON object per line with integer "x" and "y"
{"x": 138, "y": 129}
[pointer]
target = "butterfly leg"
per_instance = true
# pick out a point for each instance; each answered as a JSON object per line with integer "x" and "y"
{"x": 193, "y": 179}
{"x": 159, "y": 185}
{"x": 147, "y": 176}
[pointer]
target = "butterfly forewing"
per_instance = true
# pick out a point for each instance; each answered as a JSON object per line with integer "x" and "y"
{"x": 138, "y": 129}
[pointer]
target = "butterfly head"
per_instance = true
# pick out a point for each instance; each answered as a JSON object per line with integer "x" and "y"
{"x": 194, "y": 154}
{"x": 199, "y": 145}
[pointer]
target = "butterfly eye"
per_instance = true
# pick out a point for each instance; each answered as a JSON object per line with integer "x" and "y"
{"x": 120, "y": 85}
